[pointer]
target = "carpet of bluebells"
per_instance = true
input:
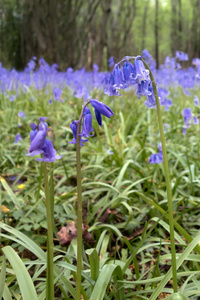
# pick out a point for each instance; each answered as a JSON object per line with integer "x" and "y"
{"x": 121, "y": 165}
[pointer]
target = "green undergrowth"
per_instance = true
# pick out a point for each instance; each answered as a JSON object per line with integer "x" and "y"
{"x": 124, "y": 196}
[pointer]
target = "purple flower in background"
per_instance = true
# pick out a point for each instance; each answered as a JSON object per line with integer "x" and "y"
{"x": 95, "y": 68}
{"x": 181, "y": 56}
{"x": 156, "y": 158}
{"x": 101, "y": 109}
{"x": 188, "y": 119}
{"x": 196, "y": 100}
{"x": 31, "y": 64}
{"x": 195, "y": 120}
{"x": 39, "y": 143}
{"x": 17, "y": 138}
{"x": 187, "y": 114}
{"x": 57, "y": 93}
{"x": 111, "y": 61}
{"x": 21, "y": 114}
{"x": 50, "y": 101}
{"x": 12, "y": 98}
{"x": 184, "y": 129}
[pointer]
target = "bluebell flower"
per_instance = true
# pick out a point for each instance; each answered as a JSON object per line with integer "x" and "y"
{"x": 151, "y": 100}
{"x": 111, "y": 89}
{"x": 57, "y": 93}
{"x": 184, "y": 129}
{"x": 195, "y": 120}
{"x": 101, "y": 109}
{"x": 156, "y": 158}
{"x": 128, "y": 69}
{"x": 50, "y": 101}
{"x": 188, "y": 119}
{"x": 181, "y": 56}
{"x": 111, "y": 61}
{"x": 21, "y": 114}
{"x": 143, "y": 89}
{"x": 95, "y": 68}
{"x": 49, "y": 153}
{"x": 73, "y": 127}
{"x": 12, "y": 98}
{"x": 196, "y": 100}
{"x": 39, "y": 143}
{"x": 87, "y": 123}
{"x": 117, "y": 77}
{"x": 33, "y": 132}
{"x": 166, "y": 103}
{"x": 17, "y": 138}
{"x": 140, "y": 72}
{"x": 187, "y": 114}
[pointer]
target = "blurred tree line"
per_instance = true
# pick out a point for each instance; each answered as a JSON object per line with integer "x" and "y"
{"x": 79, "y": 33}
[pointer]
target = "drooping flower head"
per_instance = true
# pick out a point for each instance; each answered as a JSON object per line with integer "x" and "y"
{"x": 21, "y": 114}
{"x": 157, "y": 158}
{"x": 100, "y": 109}
{"x": 39, "y": 143}
{"x": 17, "y": 138}
{"x": 188, "y": 119}
{"x": 87, "y": 123}
{"x": 73, "y": 127}
{"x": 196, "y": 100}
{"x": 111, "y": 61}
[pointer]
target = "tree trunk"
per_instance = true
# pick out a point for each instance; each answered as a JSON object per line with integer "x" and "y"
{"x": 144, "y": 24}
{"x": 173, "y": 27}
{"x": 156, "y": 36}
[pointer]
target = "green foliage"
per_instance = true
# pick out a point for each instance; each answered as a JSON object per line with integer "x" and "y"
{"x": 124, "y": 198}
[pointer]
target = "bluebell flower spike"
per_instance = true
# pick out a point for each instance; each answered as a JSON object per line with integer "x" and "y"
{"x": 39, "y": 143}
{"x": 101, "y": 109}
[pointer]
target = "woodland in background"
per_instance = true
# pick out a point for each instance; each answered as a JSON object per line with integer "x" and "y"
{"x": 79, "y": 33}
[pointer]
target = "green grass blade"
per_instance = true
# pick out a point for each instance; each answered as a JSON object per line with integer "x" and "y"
{"x": 94, "y": 263}
{"x": 103, "y": 280}
{"x": 24, "y": 280}
{"x": 2, "y": 276}
{"x": 6, "y": 293}
{"x": 180, "y": 260}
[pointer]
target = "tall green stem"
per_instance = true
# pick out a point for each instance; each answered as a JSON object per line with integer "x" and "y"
{"x": 50, "y": 274}
{"x": 168, "y": 183}
{"x": 79, "y": 208}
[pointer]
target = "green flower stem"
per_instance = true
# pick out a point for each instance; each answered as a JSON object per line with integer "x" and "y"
{"x": 168, "y": 183}
{"x": 50, "y": 271}
{"x": 79, "y": 208}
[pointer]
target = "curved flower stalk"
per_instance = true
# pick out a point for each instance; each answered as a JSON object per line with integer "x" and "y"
{"x": 41, "y": 145}
{"x": 140, "y": 75}
{"x": 79, "y": 138}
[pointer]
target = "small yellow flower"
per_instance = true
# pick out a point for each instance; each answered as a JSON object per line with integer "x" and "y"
{"x": 21, "y": 186}
{"x": 4, "y": 209}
